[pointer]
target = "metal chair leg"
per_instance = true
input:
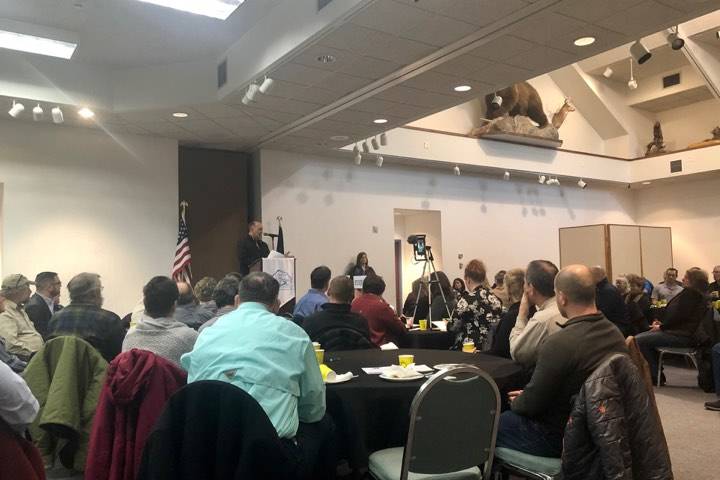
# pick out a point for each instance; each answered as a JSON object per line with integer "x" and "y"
{"x": 659, "y": 372}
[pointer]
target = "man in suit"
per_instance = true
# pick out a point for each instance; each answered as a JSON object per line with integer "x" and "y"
{"x": 252, "y": 248}
{"x": 44, "y": 302}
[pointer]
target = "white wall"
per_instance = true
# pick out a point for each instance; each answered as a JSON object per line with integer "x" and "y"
{"x": 78, "y": 200}
{"x": 329, "y": 208}
{"x": 689, "y": 124}
{"x": 690, "y": 208}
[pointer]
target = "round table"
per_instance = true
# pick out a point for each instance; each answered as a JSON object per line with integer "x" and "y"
{"x": 371, "y": 413}
{"x": 431, "y": 339}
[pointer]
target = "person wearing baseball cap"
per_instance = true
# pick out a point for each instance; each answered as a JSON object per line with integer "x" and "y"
{"x": 16, "y": 328}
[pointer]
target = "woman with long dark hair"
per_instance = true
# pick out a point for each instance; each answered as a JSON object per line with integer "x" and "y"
{"x": 361, "y": 268}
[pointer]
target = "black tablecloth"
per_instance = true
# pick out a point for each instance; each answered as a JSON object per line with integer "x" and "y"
{"x": 433, "y": 339}
{"x": 371, "y": 413}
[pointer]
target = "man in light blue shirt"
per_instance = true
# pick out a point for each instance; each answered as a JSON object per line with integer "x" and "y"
{"x": 316, "y": 297}
{"x": 273, "y": 360}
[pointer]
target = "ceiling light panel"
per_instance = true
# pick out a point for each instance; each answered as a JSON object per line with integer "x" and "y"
{"x": 220, "y": 9}
{"x": 38, "y": 45}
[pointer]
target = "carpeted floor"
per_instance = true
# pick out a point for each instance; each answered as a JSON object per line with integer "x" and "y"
{"x": 693, "y": 433}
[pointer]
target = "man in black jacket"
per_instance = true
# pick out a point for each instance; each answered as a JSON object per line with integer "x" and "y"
{"x": 335, "y": 327}
{"x": 539, "y": 413}
{"x": 44, "y": 303}
{"x": 609, "y": 301}
{"x": 252, "y": 248}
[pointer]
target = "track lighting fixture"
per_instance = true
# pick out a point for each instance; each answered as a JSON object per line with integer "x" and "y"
{"x": 16, "y": 109}
{"x": 456, "y": 170}
{"x": 38, "y": 113}
{"x": 375, "y": 144}
{"x": 506, "y": 175}
{"x": 57, "y": 115}
{"x": 640, "y": 53}
{"x": 582, "y": 184}
{"x": 379, "y": 161}
{"x": 250, "y": 94}
{"x": 266, "y": 85}
{"x": 541, "y": 179}
{"x": 674, "y": 40}
{"x": 608, "y": 72}
{"x": 632, "y": 83}
{"x": 383, "y": 139}
{"x": 365, "y": 147}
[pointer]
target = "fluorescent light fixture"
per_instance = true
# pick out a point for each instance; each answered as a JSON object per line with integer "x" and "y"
{"x": 180, "y": 115}
{"x": 463, "y": 88}
{"x": 86, "y": 113}
{"x": 220, "y": 9}
{"x": 57, "y": 115}
{"x": 380, "y": 121}
{"x": 38, "y": 113}
{"x": 16, "y": 109}
{"x": 39, "y": 45}
{"x": 584, "y": 41}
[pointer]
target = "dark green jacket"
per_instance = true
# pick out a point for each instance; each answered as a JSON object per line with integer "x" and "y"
{"x": 566, "y": 360}
{"x": 66, "y": 377}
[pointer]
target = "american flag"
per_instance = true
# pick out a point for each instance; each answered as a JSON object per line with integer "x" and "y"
{"x": 181, "y": 267}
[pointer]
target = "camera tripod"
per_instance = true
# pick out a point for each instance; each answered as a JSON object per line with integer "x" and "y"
{"x": 429, "y": 268}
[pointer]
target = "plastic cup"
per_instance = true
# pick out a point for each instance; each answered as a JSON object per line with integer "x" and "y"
{"x": 468, "y": 346}
{"x": 328, "y": 375}
{"x": 423, "y": 324}
{"x": 320, "y": 355}
{"x": 405, "y": 360}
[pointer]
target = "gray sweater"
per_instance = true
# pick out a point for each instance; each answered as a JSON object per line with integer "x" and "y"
{"x": 162, "y": 336}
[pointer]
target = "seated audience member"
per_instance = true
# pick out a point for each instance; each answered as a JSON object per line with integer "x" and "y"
{"x": 204, "y": 289}
{"x": 273, "y": 360}
{"x": 648, "y": 287}
{"x": 714, "y": 288}
{"x": 6, "y": 357}
{"x": 667, "y": 290}
{"x": 335, "y": 326}
{"x": 45, "y": 301}
{"x": 85, "y": 318}
{"x": 315, "y": 297}
{"x": 715, "y": 405}
{"x": 361, "y": 267}
{"x": 682, "y": 317}
{"x": 477, "y": 311}
{"x": 417, "y": 304}
{"x": 610, "y": 302}
{"x": 458, "y": 288}
{"x": 20, "y": 335}
{"x": 225, "y": 297}
{"x": 18, "y": 406}
{"x": 514, "y": 284}
{"x": 188, "y": 311}
{"x": 158, "y": 332}
{"x": 499, "y": 287}
{"x": 638, "y": 304}
{"x": 621, "y": 283}
{"x": 443, "y": 300}
{"x": 385, "y": 326}
{"x": 529, "y": 333}
{"x": 536, "y": 421}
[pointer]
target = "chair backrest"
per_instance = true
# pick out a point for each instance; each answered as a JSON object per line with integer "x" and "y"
{"x": 453, "y": 423}
{"x": 344, "y": 339}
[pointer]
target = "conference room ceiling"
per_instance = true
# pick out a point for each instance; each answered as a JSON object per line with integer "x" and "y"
{"x": 398, "y": 60}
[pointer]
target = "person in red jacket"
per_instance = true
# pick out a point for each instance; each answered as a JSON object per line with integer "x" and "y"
{"x": 385, "y": 326}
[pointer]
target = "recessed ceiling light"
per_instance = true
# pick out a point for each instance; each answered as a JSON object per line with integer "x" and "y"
{"x": 380, "y": 121}
{"x": 339, "y": 138}
{"x": 180, "y": 115}
{"x": 86, "y": 113}
{"x": 326, "y": 59}
{"x": 584, "y": 41}
{"x": 38, "y": 45}
{"x": 220, "y": 9}
{"x": 646, "y": 183}
{"x": 463, "y": 88}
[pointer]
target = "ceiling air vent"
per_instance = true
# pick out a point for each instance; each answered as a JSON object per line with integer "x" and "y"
{"x": 323, "y": 3}
{"x": 671, "y": 80}
{"x": 222, "y": 73}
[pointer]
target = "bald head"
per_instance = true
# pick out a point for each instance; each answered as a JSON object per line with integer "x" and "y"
{"x": 187, "y": 296}
{"x": 577, "y": 284}
{"x": 598, "y": 273}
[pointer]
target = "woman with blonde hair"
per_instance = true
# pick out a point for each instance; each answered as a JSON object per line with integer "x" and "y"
{"x": 514, "y": 286}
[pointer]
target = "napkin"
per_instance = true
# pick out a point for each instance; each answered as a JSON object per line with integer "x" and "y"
{"x": 396, "y": 371}
{"x": 389, "y": 346}
{"x": 440, "y": 325}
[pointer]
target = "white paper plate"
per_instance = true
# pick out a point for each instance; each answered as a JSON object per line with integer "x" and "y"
{"x": 404, "y": 379}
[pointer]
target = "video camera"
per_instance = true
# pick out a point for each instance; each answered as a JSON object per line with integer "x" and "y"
{"x": 420, "y": 249}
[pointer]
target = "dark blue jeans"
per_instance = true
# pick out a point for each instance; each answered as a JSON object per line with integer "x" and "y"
{"x": 649, "y": 341}
{"x": 527, "y": 435}
{"x": 716, "y": 367}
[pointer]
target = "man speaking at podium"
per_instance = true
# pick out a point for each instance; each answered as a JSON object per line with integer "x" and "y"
{"x": 251, "y": 249}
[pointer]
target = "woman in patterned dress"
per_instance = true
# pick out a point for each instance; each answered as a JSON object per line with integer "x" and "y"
{"x": 477, "y": 311}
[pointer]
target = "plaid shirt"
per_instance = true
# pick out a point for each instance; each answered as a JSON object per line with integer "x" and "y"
{"x": 103, "y": 329}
